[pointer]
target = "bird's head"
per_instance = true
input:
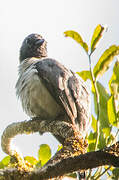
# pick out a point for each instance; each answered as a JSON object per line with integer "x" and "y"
{"x": 33, "y": 46}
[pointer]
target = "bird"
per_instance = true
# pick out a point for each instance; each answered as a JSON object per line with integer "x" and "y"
{"x": 47, "y": 89}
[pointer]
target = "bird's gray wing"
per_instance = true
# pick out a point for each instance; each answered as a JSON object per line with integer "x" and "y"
{"x": 63, "y": 86}
{"x": 81, "y": 97}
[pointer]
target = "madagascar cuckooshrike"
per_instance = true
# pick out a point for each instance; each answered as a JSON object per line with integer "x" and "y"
{"x": 47, "y": 89}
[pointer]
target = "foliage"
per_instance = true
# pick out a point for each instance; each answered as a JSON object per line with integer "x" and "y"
{"x": 106, "y": 104}
{"x": 44, "y": 154}
{"x": 5, "y": 162}
{"x": 105, "y": 116}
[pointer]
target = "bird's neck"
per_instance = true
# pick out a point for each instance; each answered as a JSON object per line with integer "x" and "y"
{"x": 27, "y": 63}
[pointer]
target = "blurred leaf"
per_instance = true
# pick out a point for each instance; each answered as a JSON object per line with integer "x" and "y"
{"x": 98, "y": 32}
{"x": 38, "y": 165}
{"x": 94, "y": 123}
{"x": 59, "y": 147}
{"x": 44, "y": 153}
{"x": 115, "y": 173}
{"x": 111, "y": 112}
{"x": 1, "y": 165}
{"x": 114, "y": 86}
{"x": 110, "y": 139}
{"x": 114, "y": 89}
{"x": 31, "y": 160}
{"x": 92, "y": 137}
{"x": 116, "y": 70}
{"x": 106, "y": 131}
{"x": 76, "y": 36}
{"x": 105, "y": 60}
{"x": 104, "y": 97}
{"x": 102, "y": 140}
{"x": 72, "y": 176}
{"x": 91, "y": 147}
{"x": 111, "y": 167}
{"x": 5, "y": 161}
{"x": 111, "y": 83}
{"x": 85, "y": 75}
{"x": 91, "y": 141}
{"x": 114, "y": 81}
{"x": 105, "y": 127}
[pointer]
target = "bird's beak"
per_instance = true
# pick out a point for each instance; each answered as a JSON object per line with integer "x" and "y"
{"x": 39, "y": 42}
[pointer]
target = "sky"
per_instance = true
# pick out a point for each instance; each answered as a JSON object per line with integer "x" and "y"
{"x": 50, "y": 18}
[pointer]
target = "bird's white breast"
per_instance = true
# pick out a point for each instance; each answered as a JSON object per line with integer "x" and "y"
{"x": 36, "y": 99}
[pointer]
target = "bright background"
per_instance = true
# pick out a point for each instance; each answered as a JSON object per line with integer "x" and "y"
{"x": 50, "y": 18}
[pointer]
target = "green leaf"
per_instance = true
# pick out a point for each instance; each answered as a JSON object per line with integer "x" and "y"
{"x": 105, "y": 60}
{"x": 77, "y": 37}
{"x": 116, "y": 69}
{"x": 104, "y": 97}
{"x": 114, "y": 81}
{"x": 91, "y": 141}
{"x": 91, "y": 147}
{"x": 94, "y": 123}
{"x": 106, "y": 131}
{"x": 5, "y": 161}
{"x": 59, "y": 147}
{"x": 114, "y": 89}
{"x": 115, "y": 173}
{"x": 105, "y": 127}
{"x": 98, "y": 32}
{"x": 38, "y": 165}
{"x": 31, "y": 160}
{"x": 85, "y": 75}
{"x": 102, "y": 140}
{"x": 111, "y": 112}
{"x": 44, "y": 153}
{"x": 92, "y": 137}
{"x": 1, "y": 165}
{"x": 110, "y": 139}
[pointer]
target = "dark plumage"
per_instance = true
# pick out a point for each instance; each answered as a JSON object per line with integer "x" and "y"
{"x": 33, "y": 46}
{"x": 47, "y": 89}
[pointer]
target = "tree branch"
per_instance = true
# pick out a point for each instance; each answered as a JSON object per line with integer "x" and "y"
{"x": 56, "y": 127}
{"x": 69, "y": 159}
{"x": 64, "y": 166}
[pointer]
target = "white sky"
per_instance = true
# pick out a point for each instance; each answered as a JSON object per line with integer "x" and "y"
{"x": 50, "y": 18}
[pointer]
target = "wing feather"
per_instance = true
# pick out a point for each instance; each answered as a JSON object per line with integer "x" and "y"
{"x": 64, "y": 88}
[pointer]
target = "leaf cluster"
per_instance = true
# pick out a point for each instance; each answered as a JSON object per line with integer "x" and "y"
{"x": 44, "y": 154}
{"x": 105, "y": 119}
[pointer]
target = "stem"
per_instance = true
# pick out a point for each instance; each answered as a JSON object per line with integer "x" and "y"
{"x": 115, "y": 137}
{"x": 89, "y": 175}
{"x": 98, "y": 100}
{"x": 117, "y": 133}
{"x": 102, "y": 173}
{"x": 98, "y": 172}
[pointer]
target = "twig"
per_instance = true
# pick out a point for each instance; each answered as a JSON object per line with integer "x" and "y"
{"x": 102, "y": 173}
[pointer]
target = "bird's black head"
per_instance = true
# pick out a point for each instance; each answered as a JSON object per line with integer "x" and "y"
{"x": 33, "y": 46}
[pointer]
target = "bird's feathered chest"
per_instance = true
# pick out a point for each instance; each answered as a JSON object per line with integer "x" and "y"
{"x": 36, "y": 99}
{"x": 48, "y": 89}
